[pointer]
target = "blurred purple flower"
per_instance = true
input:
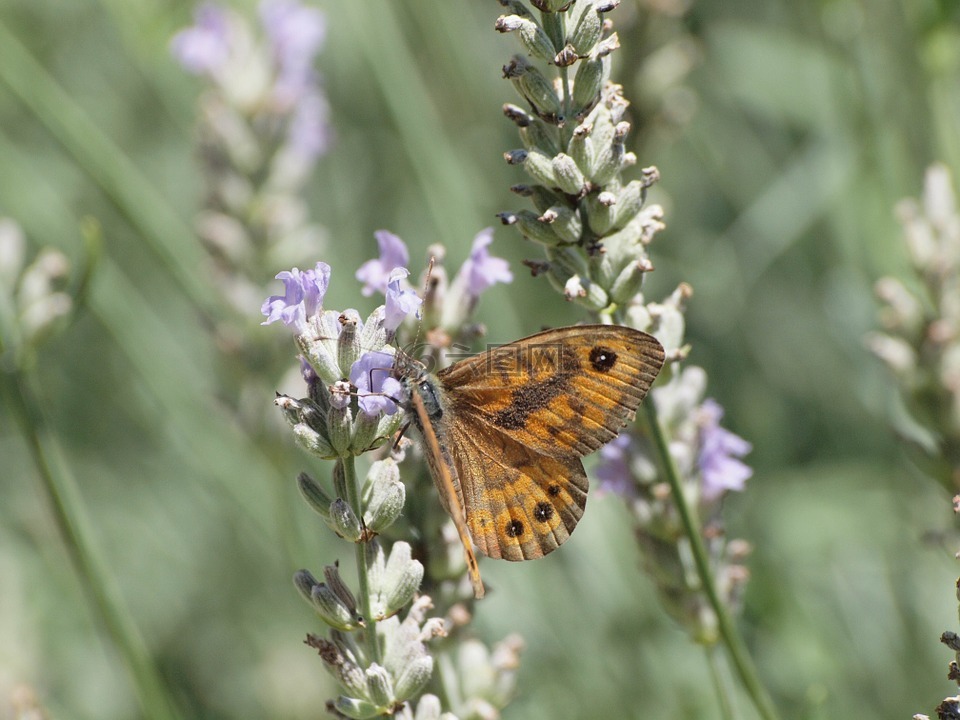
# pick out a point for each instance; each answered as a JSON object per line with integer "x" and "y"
{"x": 375, "y": 274}
{"x": 400, "y": 301}
{"x": 310, "y": 134}
{"x": 613, "y": 471}
{"x": 296, "y": 34}
{"x": 203, "y": 48}
{"x": 376, "y": 387}
{"x": 481, "y": 270}
{"x": 303, "y": 296}
{"x": 720, "y": 468}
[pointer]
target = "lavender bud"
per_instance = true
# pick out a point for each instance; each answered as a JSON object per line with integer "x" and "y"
{"x": 318, "y": 500}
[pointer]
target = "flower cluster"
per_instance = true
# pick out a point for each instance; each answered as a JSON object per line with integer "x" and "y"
{"x": 33, "y": 297}
{"x": 264, "y": 122}
{"x": 921, "y": 338}
{"x": 706, "y": 457}
{"x": 591, "y": 223}
{"x": 595, "y": 228}
{"x": 350, "y": 408}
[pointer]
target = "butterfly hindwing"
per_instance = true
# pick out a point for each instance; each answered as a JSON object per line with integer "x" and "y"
{"x": 519, "y": 504}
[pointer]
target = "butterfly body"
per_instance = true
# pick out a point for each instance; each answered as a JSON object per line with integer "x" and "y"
{"x": 504, "y": 430}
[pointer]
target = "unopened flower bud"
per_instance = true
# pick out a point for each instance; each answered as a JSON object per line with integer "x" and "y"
{"x": 539, "y": 166}
{"x": 580, "y": 148}
{"x": 629, "y": 202}
{"x": 587, "y": 293}
{"x": 565, "y": 222}
{"x": 331, "y": 608}
{"x": 305, "y": 582}
{"x": 628, "y": 283}
{"x": 356, "y": 709}
{"x": 587, "y": 31}
{"x": 538, "y": 135}
{"x": 366, "y": 432}
{"x": 587, "y": 83}
{"x": 379, "y": 686}
{"x": 345, "y": 520}
{"x": 610, "y": 158}
{"x": 600, "y": 211}
{"x": 331, "y": 573}
{"x": 533, "y": 86}
{"x": 340, "y": 429}
{"x": 384, "y": 495}
{"x": 532, "y": 36}
{"x": 348, "y": 341}
{"x": 316, "y": 497}
{"x": 413, "y": 677}
{"x": 313, "y": 442}
{"x": 569, "y": 177}
{"x": 532, "y": 228}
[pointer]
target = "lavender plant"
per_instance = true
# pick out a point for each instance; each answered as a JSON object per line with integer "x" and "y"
{"x": 594, "y": 228}
{"x": 37, "y": 300}
{"x": 382, "y": 663}
{"x": 921, "y": 318}
{"x": 920, "y": 345}
{"x": 264, "y": 123}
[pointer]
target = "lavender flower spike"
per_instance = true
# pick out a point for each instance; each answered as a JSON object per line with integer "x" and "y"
{"x": 304, "y": 291}
{"x": 374, "y": 274}
{"x": 720, "y": 468}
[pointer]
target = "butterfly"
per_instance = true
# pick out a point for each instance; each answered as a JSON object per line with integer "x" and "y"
{"x": 504, "y": 431}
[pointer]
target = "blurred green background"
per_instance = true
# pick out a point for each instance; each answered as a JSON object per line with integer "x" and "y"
{"x": 785, "y": 133}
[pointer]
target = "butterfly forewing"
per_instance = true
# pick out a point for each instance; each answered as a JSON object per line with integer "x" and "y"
{"x": 558, "y": 392}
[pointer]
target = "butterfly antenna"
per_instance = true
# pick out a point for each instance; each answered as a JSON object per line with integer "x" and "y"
{"x": 427, "y": 291}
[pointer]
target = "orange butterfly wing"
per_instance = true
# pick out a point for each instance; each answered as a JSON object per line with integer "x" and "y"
{"x": 519, "y": 417}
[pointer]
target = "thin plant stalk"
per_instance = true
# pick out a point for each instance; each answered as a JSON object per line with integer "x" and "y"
{"x": 63, "y": 494}
{"x": 353, "y": 499}
{"x": 720, "y": 682}
{"x": 728, "y": 631}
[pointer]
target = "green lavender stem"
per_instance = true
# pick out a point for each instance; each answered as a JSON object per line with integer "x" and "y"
{"x": 728, "y": 630}
{"x": 64, "y": 497}
{"x": 353, "y": 499}
{"x": 719, "y": 677}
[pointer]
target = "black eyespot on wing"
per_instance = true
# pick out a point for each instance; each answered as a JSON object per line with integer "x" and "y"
{"x": 514, "y": 528}
{"x": 543, "y": 511}
{"x": 602, "y": 359}
{"x": 553, "y": 490}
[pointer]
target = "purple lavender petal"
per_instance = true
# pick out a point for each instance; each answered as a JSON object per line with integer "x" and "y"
{"x": 303, "y": 297}
{"x": 720, "y": 468}
{"x": 376, "y": 388}
{"x": 613, "y": 472}
{"x": 482, "y": 270}
{"x": 203, "y": 48}
{"x": 374, "y": 274}
{"x": 400, "y": 302}
{"x": 296, "y": 33}
{"x": 310, "y": 134}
